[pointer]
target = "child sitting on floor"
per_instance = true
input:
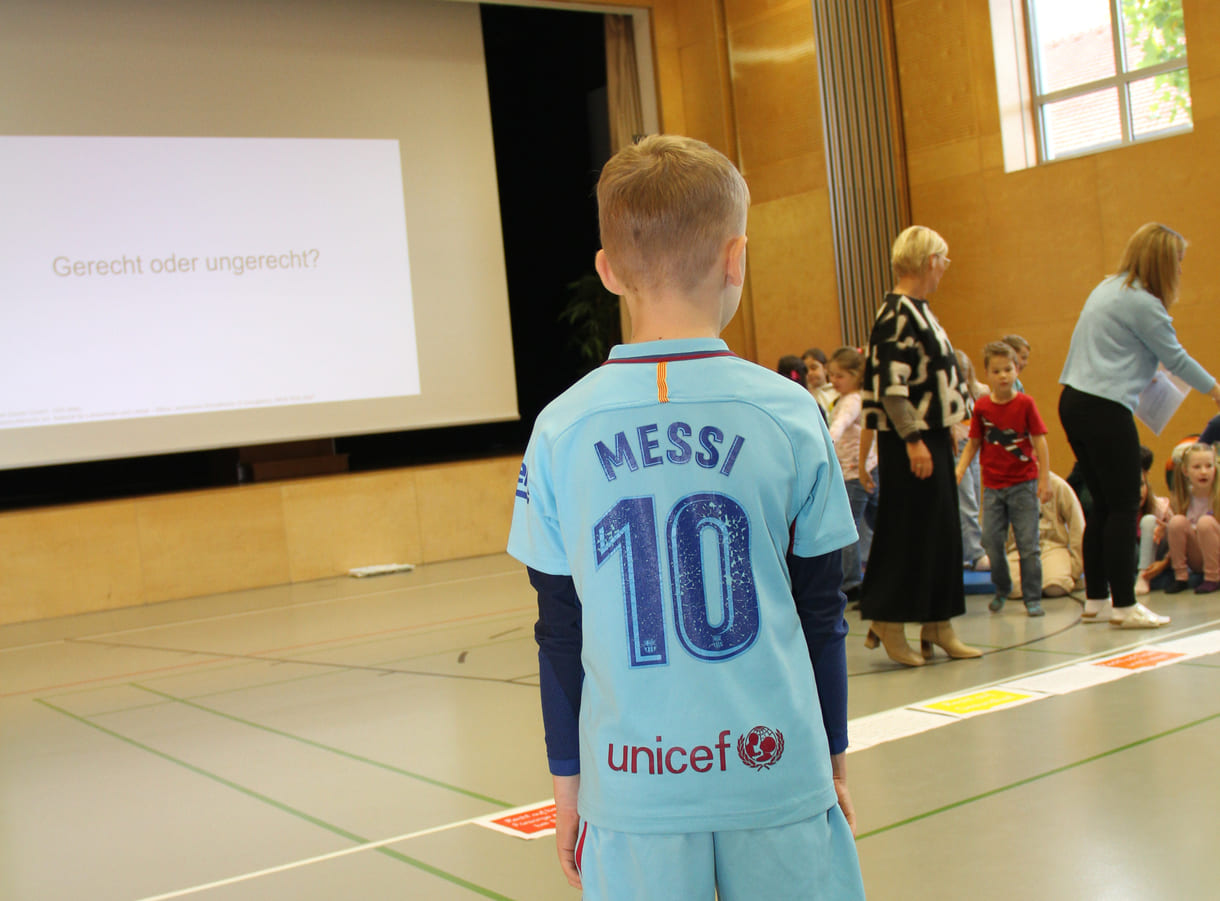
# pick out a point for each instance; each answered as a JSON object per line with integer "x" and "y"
{"x": 1194, "y": 531}
{"x": 1153, "y": 553}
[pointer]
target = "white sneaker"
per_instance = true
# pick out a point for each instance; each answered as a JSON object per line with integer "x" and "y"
{"x": 1096, "y": 610}
{"x": 1138, "y": 617}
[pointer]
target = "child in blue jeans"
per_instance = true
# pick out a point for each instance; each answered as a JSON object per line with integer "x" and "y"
{"x": 1015, "y": 461}
{"x": 845, "y": 369}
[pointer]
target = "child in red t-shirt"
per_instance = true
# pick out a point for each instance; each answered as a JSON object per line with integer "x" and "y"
{"x": 1015, "y": 463}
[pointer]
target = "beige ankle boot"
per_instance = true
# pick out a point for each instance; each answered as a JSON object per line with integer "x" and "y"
{"x": 893, "y": 636}
{"x": 942, "y": 634}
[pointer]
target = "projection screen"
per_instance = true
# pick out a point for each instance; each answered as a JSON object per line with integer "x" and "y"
{"x": 234, "y": 223}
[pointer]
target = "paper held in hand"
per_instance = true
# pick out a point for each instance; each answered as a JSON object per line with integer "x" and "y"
{"x": 1160, "y": 400}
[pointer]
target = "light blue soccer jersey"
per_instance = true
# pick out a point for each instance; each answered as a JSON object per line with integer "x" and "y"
{"x": 670, "y": 484}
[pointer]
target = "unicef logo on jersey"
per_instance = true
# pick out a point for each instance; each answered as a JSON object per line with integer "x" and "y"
{"x": 761, "y": 747}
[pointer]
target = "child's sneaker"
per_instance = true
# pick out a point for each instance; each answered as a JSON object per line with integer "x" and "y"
{"x": 1141, "y": 586}
{"x": 1096, "y": 610}
{"x": 1178, "y": 585}
{"x": 1034, "y": 608}
{"x": 1207, "y": 587}
{"x": 1137, "y": 617}
{"x": 997, "y": 604}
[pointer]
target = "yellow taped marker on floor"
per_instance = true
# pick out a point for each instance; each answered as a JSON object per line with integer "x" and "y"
{"x": 979, "y": 701}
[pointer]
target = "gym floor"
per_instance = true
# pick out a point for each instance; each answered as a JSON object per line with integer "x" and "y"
{"x": 339, "y": 739}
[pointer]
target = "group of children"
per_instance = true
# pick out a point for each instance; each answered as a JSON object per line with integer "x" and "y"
{"x": 682, "y": 518}
{"x": 835, "y": 382}
{"x": 1007, "y": 493}
{"x": 1006, "y": 432}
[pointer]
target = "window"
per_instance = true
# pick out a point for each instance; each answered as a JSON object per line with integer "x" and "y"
{"x": 1106, "y": 72}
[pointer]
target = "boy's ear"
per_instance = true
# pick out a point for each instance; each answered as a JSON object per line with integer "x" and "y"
{"x": 602, "y": 264}
{"x": 735, "y": 261}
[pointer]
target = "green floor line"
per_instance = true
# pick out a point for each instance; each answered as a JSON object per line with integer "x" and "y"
{"x": 281, "y": 660}
{"x": 280, "y": 806}
{"x": 335, "y": 668}
{"x": 1032, "y": 650}
{"x": 323, "y": 747}
{"x": 1056, "y": 771}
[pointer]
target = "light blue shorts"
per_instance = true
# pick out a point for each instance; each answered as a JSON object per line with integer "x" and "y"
{"x": 804, "y": 861}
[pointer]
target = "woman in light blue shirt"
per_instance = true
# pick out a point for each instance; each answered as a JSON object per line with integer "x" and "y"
{"x": 1123, "y": 333}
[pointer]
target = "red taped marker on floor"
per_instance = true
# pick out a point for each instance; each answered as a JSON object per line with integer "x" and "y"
{"x": 1140, "y": 659}
{"x": 532, "y": 821}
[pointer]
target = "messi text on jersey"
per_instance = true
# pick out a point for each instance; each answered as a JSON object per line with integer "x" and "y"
{"x": 642, "y": 447}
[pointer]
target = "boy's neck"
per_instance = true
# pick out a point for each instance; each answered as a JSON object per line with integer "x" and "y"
{"x": 996, "y": 398}
{"x": 672, "y": 318}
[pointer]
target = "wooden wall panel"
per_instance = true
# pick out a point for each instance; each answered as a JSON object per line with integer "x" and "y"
{"x": 791, "y": 260}
{"x": 1028, "y": 246}
{"x": 775, "y": 98}
{"x": 465, "y": 509}
{"x": 336, "y": 524}
{"x": 202, "y": 542}
{"x": 123, "y": 553}
{"x": 934, "y": 66}
{"x": 74, "y": 559}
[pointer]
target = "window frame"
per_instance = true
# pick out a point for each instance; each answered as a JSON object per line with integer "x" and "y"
{"x": 1121, "y": 80}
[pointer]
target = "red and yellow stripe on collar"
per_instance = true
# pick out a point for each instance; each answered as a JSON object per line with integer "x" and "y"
{"x": 663, "y": 366}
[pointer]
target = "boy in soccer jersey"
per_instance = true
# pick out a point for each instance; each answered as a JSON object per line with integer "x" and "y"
{"x": 680, "y": 512}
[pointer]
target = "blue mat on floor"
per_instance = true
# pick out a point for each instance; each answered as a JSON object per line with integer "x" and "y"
{"x": 977, "y": 583}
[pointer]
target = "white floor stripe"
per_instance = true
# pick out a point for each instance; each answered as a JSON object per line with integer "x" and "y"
{"x": 869, "y": 731}
{"x": 321, "y": 858}
{"x": 1060, "y": 678}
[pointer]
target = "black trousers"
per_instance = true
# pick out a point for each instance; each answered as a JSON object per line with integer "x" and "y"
{"x": 914, "y": 572}
{"x": 1107, "y": 447}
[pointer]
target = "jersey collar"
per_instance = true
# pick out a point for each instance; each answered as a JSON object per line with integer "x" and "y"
{"x": 669, "y": 351}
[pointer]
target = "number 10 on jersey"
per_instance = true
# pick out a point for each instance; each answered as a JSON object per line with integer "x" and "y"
{"x": 698, "y": 526}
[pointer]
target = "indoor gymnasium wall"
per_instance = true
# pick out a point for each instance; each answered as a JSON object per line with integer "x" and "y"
{"x": 740, "y": 75}
{"x": 1028, "y": 246}
{"x": 85, "y": 558}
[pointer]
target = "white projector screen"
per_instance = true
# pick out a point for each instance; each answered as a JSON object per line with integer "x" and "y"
{"x": 231, "y": 223}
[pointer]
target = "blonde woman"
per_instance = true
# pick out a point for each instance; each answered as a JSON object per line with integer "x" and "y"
{"x": 1124, "y": 331}
{"x": 913, "y": 393}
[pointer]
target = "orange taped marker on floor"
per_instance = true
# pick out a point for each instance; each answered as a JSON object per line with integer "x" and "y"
{"x": 531, "y": 821}
{"x": 1137, "y": 660}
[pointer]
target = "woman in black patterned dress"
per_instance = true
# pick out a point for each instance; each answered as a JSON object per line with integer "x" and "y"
{"x": 913, "y": 392}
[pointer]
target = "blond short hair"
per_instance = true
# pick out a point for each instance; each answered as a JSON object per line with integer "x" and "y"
{"x": 666, "y": 208}
{"x": 1153, "y": 255}
{"x": 913, "y": 248}
{"x": 998, "y": 349}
